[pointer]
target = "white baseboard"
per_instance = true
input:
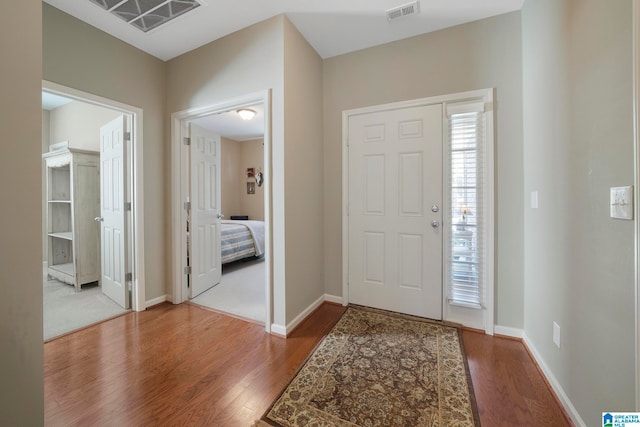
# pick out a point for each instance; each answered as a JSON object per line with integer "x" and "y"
{"x": 508, "y": 331}
{"x": 156, "y": 301}
{"x": 300, "y": 317}
{"x": 564, "y": 399}
{"x": 285, "y": 330}
{"x": 279, "y": 330}
{"x": 334, "y": 299}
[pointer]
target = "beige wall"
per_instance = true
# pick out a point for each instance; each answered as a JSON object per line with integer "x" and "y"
{"x": 79, "y": 123}
{"x": 287, "y": 65}
{"x": 303, "y": 159}
{"x": 81, "y": 57}
{"x": 21, "y": 350}
{"x": 252, "y": 156}
{"x": 578, "y": 142}
{"x": 482, "y": 54}
{"x": 231, "y": 177}
{"x": 237, "y": 156}
{"x": 245, "y": 62}
{"x": 578, "y": 263}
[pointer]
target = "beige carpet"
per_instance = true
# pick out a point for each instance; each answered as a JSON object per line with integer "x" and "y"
{"x": 377, "y": 368}
{"x": 240, "y": 293}
{"x": 65, "y": 310}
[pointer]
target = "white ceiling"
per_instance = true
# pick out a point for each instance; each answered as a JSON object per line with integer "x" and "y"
{"x": 332, "y": 27}
{"x": 230, "y": 125}
{"x": 51, "y": 101}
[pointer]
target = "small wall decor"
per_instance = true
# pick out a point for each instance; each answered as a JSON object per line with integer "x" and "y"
{"x": 251, "y": 188}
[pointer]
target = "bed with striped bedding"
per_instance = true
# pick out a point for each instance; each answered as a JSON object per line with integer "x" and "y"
{"x": 241, "y": 239}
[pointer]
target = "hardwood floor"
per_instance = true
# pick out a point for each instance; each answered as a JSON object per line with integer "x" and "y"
{"x": 183, "y": 365}
{"x": 509, "y": 389}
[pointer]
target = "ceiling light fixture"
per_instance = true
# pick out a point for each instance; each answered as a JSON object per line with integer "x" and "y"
{"x": 246, "y": 113}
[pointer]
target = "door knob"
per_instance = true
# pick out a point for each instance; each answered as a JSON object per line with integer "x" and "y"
{"x": 220, "y": 216}
{"x": 435, "y": 224}
{"x": 99, "y": 218}
{"x": 435, "y": 208}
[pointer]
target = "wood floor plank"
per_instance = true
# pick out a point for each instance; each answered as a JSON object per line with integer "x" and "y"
{"x": 184, "y": 365}
{"x": 509, "y": 389}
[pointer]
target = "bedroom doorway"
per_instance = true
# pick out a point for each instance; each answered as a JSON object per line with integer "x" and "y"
{"x": 238, "y": 195}
{"x": 75, "y": 175}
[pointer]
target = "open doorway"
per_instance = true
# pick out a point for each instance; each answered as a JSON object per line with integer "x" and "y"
{"x": 239, "y": 210}
{"x": 91, "y": 257}
{"x": 240, "y": 291}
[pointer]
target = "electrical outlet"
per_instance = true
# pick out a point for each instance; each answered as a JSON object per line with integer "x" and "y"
{"x": 556, "y": 334}
{"x": 621, "y": 202}
{"x": 534, "y": 199}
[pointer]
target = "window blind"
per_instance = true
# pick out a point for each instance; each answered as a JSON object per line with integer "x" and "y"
{"x": 464, "y": 272}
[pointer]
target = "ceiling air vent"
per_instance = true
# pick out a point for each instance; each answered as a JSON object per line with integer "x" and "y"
{"x": 146, "y": 15}
{"x": 408, "y": 9}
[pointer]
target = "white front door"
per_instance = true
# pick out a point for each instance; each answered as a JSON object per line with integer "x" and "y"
{"x": 395, "y": 195}
{"x": 204, "y": 229}
{"x": 113, "y": 240}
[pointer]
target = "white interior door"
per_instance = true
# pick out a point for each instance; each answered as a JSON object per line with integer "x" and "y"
{"x": 395, "y": 193}
{"x": 204, "y": 230}
{"x": 113, "y": 241}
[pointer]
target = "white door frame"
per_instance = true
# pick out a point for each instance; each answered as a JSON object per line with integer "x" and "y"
{"x": 135, "y": 184}
{"x": 488, "y": 315}
{"x": 180, "y": 191}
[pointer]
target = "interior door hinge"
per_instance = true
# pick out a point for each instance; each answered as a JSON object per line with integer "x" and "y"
{"x": 186, "y": 140}
{"x": 187, "y": 270}
{"x": 128, "y": 277}
{"x": 127, "y": 206}
{"x": 187, "y": 206}
{"x": 127, "y": 136}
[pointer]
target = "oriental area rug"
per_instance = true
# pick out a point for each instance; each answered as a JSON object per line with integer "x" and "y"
{"x": 377, "y": 368}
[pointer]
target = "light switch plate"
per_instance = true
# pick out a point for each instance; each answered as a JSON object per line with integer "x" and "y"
{"x": 621, "y": 200}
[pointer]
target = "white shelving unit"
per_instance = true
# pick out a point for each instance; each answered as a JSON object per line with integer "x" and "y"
{"x": 73, "y": 203}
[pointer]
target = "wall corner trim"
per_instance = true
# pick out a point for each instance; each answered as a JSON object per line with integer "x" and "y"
{"x": 278, "y": 330}
{"x": 334, "y": 299}
{"x": 155, "y": 301}
{"x": 553, "y": 382}
{"x": 508, "y": 331}
{"x": 286, "y": 330}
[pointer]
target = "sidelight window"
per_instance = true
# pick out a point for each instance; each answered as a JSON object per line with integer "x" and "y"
{"x": 465, "y": 253}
